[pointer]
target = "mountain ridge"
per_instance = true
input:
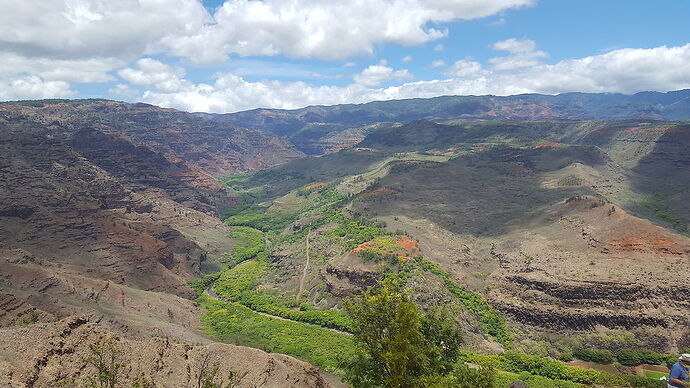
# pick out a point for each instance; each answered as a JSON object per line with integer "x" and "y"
{"x": 308, "y": 127}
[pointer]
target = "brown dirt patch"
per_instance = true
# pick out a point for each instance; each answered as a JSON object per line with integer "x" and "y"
{"x": 650, "y": 243}
{"x": 315, "y": 185}
{"x": 366, "y": 247}
{"x": 654, "y": 368}
{"x": 546, "y": 144}
{"x": 378, "y": 192}
{"x": 409, "y": 244}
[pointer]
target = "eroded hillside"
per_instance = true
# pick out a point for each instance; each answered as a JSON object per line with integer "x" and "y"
{"x": 563, "y": 227}
{"x": 102, "y": 199}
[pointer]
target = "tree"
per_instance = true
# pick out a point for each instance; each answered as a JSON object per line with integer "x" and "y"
{"x": 462, "y": 376}
{"x": 397, "y": 345}
{"x": 105, "y": 358}
{"x": 207, "y": 375}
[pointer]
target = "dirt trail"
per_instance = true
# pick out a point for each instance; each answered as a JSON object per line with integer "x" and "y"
{"x": 304, "y": 271}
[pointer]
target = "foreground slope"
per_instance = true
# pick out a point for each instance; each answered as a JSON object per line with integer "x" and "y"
{"x": 46, "y": 355}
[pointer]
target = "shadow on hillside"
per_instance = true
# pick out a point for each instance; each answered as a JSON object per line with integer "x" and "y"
{"x": 664, "y": 176}
{"x": 481, "y": 194}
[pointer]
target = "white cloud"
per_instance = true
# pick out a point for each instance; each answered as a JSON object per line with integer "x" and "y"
{"x": 83, "y": 41}
{"x": 377, "y": 74}
{"x": 498, "y": 23}
{"x": 314, "y": 28}
{"x": 407, "y": 58}
{"x": 625, "y": 71}
{"x": 124, "y": 92}
{"x": 79, "y": 70}
{"x": 438, "y": 63}
{"x": 33, "y": 87}
{"x": 464, "y": 68}
{"x": 73, "y": 29}
{"x": 524, "y": 53}
{"x": 349, "y": 64}
{"x": 515, "y": 46}
{"x": 163, "y": 77}
{"x": 127, "y": 29}
{"x": 438, "y": 47}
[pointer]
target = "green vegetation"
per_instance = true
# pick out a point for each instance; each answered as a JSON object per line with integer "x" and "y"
{"x": 401, "y": 355}
{"x": 257, "y": 218}
{"x": 490, "y": 320}
{"x": 357, "y": 231}
{"x": 200, "y": 285}
{"x": 462, "y": 376}
{"x": 556, "y": 370}
{"x": 658, "y": 205}
{"x": 631, "y": 357}
{"x": 30, "y": 319}
{"x": 598, "y": 356}
{"x": 385, "y": 243}
{"x": 654, "y": 374}
{"x": 238, "y": 284}
{"x": 396, "y": 344}
{"x": 105, "y": 358}
{"x": 376, "y": 256}
{"x": 249, "y": 243}
{"x": 234, "y": 323}
{"x": 627, "y": 357}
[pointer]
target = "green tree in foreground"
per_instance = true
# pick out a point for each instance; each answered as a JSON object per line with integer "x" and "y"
{"x": 397, "y": 345}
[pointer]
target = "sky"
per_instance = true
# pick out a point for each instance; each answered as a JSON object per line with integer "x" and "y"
{"x": 224, "y": 56}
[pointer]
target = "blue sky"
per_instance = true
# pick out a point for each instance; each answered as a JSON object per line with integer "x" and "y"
{"x": 224, "y": 56}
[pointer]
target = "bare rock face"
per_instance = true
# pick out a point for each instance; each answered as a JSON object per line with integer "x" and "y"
{"x": 47, "y": 355}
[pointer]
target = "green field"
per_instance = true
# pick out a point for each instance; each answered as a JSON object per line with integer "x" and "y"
{"x": 655, "y": 374}
{"x": 234, "y": 323}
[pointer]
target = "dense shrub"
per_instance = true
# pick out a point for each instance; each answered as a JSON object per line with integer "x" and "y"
{"x": 598, "y": 356}
{"x": 200, "y": 285}
{"x": 234, "y": 323}
{"x": 630, "y": 357}
{"x": 376, "y": 256}
{"x": 555, "y": 370}
{"x": 249, "y": 243}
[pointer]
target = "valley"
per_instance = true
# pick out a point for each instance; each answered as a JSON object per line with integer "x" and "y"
{"x": 544, "y": 236}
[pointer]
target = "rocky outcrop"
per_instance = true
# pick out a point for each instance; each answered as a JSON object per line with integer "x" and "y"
{"x": 47, "y": 355}
{"x": 557, "y": 318}
{"x": 343, "y": 281}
